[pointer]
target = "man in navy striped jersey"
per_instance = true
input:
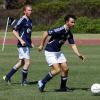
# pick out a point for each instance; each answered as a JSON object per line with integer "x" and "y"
{"x": 54, "y": 57}
{"x": 22, "y": 31}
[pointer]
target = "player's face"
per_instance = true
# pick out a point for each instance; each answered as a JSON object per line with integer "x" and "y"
{"x": 28, "y": 11}
{"x": 70, "y": 23}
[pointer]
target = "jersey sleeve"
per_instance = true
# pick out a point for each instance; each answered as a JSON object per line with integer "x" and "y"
{"x": 54, "y": 32}
{"x": 71, "y": 39}
{"x": 19, "y": 24}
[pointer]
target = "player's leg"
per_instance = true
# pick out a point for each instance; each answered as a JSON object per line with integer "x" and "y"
{"x": 64, "y": 78}
{"x": 25, "y": 71}
{"x": 64, "y": 70}
{"x": 13, "y": 70}
{"x": 55, "y": 69}
{"x": 64, "y": 75}
{"x": 24, "y": 53}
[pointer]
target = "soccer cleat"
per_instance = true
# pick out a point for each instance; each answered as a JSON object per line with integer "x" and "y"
{"x": 5, "y": 79}
{"x": 41, "y": 86}
{"x": 24, "y": 83}
{"x": 67, "y": 89}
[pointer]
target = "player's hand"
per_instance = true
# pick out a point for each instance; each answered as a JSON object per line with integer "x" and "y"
{"x": 82, "y": 57}
{"x": 32, "y": 45}
{"x": 23, "y": 42}
{"x": 40, "y": 48}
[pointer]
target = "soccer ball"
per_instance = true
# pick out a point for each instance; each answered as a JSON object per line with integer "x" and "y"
{"x": 95, "y": 89}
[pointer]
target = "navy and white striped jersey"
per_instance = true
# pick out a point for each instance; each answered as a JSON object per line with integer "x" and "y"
{"x": 58, "y": 38}
{"x": 24, "y": 28}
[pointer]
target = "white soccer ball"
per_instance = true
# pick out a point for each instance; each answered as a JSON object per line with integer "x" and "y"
{"x": 95, "y": 88}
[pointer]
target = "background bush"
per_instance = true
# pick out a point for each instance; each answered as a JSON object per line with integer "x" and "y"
{"x": 49, "y": 14}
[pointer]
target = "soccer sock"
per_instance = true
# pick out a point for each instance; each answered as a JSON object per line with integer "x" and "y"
{"x": 47, "y": 78}
{"x": 63, "y": 81}
{"x": 24, "y": 75}
{"x": 11, "y": 73}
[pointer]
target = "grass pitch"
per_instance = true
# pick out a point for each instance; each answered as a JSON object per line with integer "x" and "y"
{"x": 81, "y": 75}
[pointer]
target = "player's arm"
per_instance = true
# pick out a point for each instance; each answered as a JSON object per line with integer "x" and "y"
{"x": 18, "y": 37}
{"x": 32, "y": 43}
{"x": 76, "y": 51}
{"x": 74, "y": 47}
{"x": 53, "y": 32}
{"x": 16, "y": 28}
{"x": 44, "y": 38}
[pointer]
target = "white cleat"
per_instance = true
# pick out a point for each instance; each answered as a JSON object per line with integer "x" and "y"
{"x": 41, "y": 86}
{"x": 5, "y": 79}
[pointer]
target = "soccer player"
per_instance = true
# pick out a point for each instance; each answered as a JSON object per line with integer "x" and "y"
{"x": 22, "y": 31}
{"x": 54, "y": 57}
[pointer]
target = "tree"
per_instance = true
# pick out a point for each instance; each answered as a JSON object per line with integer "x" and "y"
{"x": 11, "y": 4}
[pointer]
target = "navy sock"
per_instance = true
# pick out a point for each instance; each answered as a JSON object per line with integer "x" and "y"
{"x": 11, "y": 73}
{"x": 47, "y": 78}
{"x": 24, "y": 75}
{"x": 63, "y": 81}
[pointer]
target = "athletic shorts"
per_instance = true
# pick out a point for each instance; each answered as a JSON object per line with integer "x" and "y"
{"x": 54, "y": 57}
{"x": 24, "y": 52}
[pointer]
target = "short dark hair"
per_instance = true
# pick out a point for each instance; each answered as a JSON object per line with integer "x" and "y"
{"x": 66, "y": 18}
{"x": 25, "y": 6}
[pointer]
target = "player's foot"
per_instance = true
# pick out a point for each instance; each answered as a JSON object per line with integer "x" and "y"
{"x": 67, "y": 89}
{"x": 24, "y": 83}
{"x": 7, "y": 80}
{"x": 41, "y": 86}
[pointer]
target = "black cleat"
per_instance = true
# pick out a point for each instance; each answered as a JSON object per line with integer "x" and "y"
{"x": 24, "y": 83}
{"x": 67, "y": 89}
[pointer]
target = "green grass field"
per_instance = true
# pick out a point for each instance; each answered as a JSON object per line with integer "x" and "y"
{"x": 81, "y": 75}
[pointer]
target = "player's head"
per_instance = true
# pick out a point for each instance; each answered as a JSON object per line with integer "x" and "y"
{"x": 70, "y": 20}
{"x": 27, "y": 9}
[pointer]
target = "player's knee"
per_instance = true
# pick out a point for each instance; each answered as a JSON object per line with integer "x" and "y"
{"x": 66, "y": 70}
{"x": 57, "y": 70}
{"x": 18, "y": 63}
{"x": 27, "y": 63}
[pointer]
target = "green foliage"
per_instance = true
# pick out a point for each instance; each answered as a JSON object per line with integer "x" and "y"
{"x": 81, "y": 24}
{"x": 1, "y": 2}
{"x": 59, "y": 22}
{"x": 93, "y": 26}
{"x": 87, "y": 25}
{"x": 50, "y": 10}
{"x": 49, "y": 14}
